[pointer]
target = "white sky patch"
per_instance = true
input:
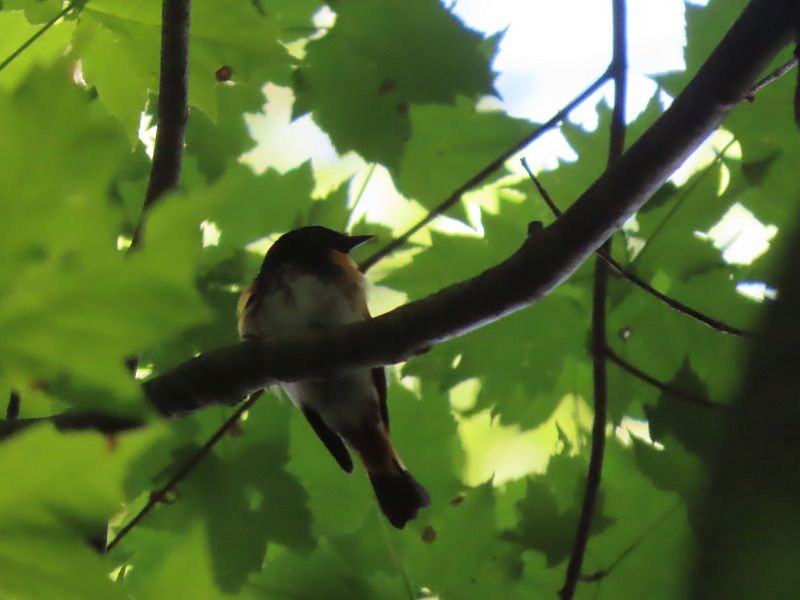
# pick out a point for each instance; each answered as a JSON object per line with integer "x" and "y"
{"x": 756, "y": 290}
{"x": 211, "y": 233}
{"x": 740, "y": 236}
{"x": 553, "y": 50}
{"x": 147, "y": 134}
{"x": 705, "y": 154}
{"x": 629, "y": 428}
{"x": 284, "y": 144}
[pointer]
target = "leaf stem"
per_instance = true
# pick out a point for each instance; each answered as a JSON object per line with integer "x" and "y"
{"x": 664, "y": 387}
{"x": 76, "y": 4}
{"x": 159, "y": 494}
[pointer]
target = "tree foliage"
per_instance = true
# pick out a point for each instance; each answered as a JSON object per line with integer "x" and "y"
{"x": 267, "y": 514}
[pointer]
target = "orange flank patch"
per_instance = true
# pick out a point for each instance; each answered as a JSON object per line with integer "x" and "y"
{"x": 375, "y": 449}
{"x": 353, "y": 276}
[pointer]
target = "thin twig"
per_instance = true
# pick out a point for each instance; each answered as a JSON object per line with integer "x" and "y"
{"x": 159, "y": 494}
{"x": 678, "y": 202}
{"x": 173, "y": 107}
{"x": 363, "y": 187}
{"x": 641, "y": 283}
{"x": 772, "y": 77}
{"x": 453, "y": 198}
{"x": 76, "y": 4}
{"x": 664, "y": 387}
{"x": 796, "y": 100}
{"x": 603, "y": 573}
{"x": 618, "y": 70}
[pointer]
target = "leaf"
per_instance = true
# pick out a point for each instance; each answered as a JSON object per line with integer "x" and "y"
{"x": 16, "y": 30}
{"x": 219, "y": 143}
{"x": 36, "y": 11}
{"x": 55, "y": 507}
{"x": 650, "y": 532}
{"x": 551, "y": 507}
{"x": 548, "y": 340}
{"x": 449, "y": 145}
{"x": 241, "y": 493}
{"x": 378, "y": 48}
{"x": 232, "y": 34}
{"x": 74, "y": 307}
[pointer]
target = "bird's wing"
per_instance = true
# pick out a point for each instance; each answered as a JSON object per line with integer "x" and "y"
{"x": 379, "y": 377}
{"x": 332, "y": 441}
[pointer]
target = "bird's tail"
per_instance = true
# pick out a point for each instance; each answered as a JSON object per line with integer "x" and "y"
{"x": 399, "y": 495}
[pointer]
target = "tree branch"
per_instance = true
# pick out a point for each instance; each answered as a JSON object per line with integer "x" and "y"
{"x": 159, "y": 494}
{"x": 771, "y": 78}
{"x": 173, "y": 107}
{"x": 635, "y": 280}
{"x": 453, "y": 198}
{"x": 619, "y": 71}
{"x": 226, "y": 375}
{"x": 664, "y": 387}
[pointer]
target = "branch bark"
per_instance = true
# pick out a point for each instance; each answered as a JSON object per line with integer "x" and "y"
{"x": 227, "y": 375}
{"x": 173, "y": 105}
{"x": 674, "y": 304}
{"x": 619, "y": 71}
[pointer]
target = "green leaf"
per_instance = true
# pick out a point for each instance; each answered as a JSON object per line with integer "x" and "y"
{"x": 219, "y": 144}
{"x": 377, "y": 50}
{"x": 55, "y": 508}
{"x": 650, "y": 532}
{"x": 449, "y": 145}
{"x": 548, "y": 339}
{"x": 36, "y": 11}
{"x": 242, "y": 494}
{"x": 74, "y": 306}
{"x": 551, "y": 507}
{"x": 46, "y": 50}
{"x": 231, "y": 33}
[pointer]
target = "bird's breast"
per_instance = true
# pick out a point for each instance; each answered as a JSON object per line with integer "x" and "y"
{"x": 301, "y": 303}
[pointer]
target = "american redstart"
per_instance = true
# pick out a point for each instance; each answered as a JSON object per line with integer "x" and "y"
{"x": 308, "y": 281}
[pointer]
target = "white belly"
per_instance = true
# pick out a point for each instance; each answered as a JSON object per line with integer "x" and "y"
{"x": 309, "y": 303}
{"x": 305, "y": 303}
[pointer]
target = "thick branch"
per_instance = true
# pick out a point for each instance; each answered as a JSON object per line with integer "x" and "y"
{"x": 227, "y": 375}
{"x": 637, "y": 281}
{"x": 173, "y": 107}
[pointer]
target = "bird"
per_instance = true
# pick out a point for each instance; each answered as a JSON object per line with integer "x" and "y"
{"x": 307, "y": 282}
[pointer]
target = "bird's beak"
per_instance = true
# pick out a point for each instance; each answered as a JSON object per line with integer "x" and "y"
{"x": 353, "y": 241}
